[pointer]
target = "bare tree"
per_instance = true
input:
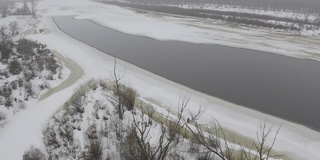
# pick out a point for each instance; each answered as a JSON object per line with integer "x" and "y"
{"x": 33, "y": 4}
{"x": 215, "y": 141}
{"x": 210, "y": 141}
{"x": 4, "y": 9}
{"x": 117, "y": 89}
{"x": 170, "y": 130}
{"x": 263, "y": 151}
{"x": 13, "y": 28}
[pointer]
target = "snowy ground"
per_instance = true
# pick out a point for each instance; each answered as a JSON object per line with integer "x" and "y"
{"x": 300, "y": 142}
{"x": 24, "y": 23}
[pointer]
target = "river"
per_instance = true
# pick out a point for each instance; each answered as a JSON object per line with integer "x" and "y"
{"x": 278, "y": 85}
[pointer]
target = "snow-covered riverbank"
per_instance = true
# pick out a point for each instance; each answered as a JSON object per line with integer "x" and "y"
{"x": 300, "y": 142}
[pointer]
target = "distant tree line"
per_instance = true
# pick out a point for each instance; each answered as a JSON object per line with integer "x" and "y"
{"x": 267, "y": 21}
{"x": 298, "y": 6}
{"x": 7, "y": 7}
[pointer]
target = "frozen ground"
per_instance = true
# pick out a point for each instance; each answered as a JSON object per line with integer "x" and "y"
{"x": 300, "y": 142}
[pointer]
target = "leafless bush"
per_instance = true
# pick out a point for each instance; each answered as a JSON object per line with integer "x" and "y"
{"x": 117, "y": 127}
{"x": 91, "y": 132}
{"x": 123, "y": 96}
{"x": 129, "y": 96}
{"x": 93, "y": 84}
{"x": 94, "y": 144}
{"x": 50, "y": 138}
{"x": 94, "y": 150}
{"x": 129, "y": 147}
{"x": 82, "y": 91}
{"x": 15, "y": 67}
{"x": 34, "y": 154}
{"x": 66, "y": 134}
{"x": 103, "y": 84}
{"x": 76, "y": 103}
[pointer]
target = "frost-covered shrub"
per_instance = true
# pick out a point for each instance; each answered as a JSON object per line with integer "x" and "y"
{"x": 15, "y": 67}
{"x": 50, "y": 138}
{"x": 91, "y": 132}
{"x": 22, "y": 105}
{"x": 5, "y": 91}
{"x": 34, "y": 154}
{"x": 29, "y": 89}
{"x": 2, "y": 116}
{"x": 28, "y": 75}
{"x": 4, "y": 73}
{"x": 93, "y": 84}
{"x": 76, "y": 105}
{"x": 204, "y": 156}
{"x": 94, "y": 150}
{"x": 124, "y": 96}
{"x": 129, "y": 149}
{"x": 51, "y": 64}
{"x": 129, "y": 96}
{"x": 66, "y": 133}
{"x": 8, "y": 102}
{"x": 26, "y": 48}
{"x": 14, "y": 85}
{"x": 5, "y": 51}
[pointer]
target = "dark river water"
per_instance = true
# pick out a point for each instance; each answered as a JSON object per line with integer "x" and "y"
{"x": 282, "y": 86}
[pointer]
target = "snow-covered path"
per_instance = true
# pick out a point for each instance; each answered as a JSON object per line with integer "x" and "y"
{"x": 25, "y": 130}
